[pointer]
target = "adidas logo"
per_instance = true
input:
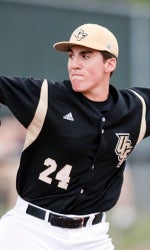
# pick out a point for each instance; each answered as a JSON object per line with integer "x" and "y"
{"x": 68, "y": 117}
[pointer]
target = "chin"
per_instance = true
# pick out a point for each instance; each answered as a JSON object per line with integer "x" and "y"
{"x": 76, "y": 89}
{"x": 76, "y": 86}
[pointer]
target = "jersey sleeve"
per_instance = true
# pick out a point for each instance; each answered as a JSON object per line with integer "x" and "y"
{"x": 21, "y": 96}
{"x": 145, "y": 93}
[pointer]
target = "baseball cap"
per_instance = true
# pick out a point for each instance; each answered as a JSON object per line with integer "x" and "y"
{"x": 91, "y": 36}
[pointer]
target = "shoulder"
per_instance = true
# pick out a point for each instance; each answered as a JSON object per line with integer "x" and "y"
{"x": 144, "y": 92}
{"x": 130, "y": 94}
{"x": 60, "y": 85}
{"x": 58, "y": 89}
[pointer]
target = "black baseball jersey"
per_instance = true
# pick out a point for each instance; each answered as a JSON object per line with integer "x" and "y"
{"x": 75, "y": 149}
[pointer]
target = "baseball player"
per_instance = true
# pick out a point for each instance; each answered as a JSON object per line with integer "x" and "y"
{"x": 79, "y": 134}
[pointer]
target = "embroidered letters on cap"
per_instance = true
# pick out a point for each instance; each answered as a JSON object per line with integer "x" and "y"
{"x": 80, "y": 35}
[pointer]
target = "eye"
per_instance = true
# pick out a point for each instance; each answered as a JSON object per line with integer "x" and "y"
{"x": 86, "y": 56}
{"x": 70, "y": 55}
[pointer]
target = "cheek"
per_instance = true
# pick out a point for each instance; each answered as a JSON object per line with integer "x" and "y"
{"x": 92, "y": 72}
{"x": 68, "y": 67}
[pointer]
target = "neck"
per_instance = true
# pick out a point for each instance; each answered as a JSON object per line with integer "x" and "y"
{"x": 98, "y": 95}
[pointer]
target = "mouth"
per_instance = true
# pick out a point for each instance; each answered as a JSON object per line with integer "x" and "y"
{"x": 76, "y": 75}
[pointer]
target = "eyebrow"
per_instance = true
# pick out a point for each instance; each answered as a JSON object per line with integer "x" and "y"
{"x": 82, "y": 52}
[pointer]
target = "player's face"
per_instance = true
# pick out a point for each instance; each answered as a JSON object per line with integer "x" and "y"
{"x": 87, "y": 70}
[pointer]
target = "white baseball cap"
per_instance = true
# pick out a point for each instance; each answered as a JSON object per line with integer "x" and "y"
{"x": 91, "y": 36}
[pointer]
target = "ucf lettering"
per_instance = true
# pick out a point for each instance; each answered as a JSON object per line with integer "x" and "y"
{"x": 123, "y": 147}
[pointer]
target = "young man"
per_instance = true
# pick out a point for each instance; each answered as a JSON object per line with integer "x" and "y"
{"x": 79, "y": 135}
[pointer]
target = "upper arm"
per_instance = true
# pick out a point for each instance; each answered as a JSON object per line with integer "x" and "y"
{"x": 21, "y": 96}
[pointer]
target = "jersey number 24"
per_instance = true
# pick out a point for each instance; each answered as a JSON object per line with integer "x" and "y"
{"x": 63, "y": 175}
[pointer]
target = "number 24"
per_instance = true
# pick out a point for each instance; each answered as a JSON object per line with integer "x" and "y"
{"x": 62, "y": 175}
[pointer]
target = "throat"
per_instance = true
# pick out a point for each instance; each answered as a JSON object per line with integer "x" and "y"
{"x": 99, "y": 92}
{"x": 97, "y": 97}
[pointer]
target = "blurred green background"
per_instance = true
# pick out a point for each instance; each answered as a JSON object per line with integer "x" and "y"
{"x": 28, "y": 29}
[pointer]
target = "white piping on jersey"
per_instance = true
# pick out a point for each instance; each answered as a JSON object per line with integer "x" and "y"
{"x": 36, "y": 124}
{"x": 143, "y": 118}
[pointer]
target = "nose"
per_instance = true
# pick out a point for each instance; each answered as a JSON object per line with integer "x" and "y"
{"x": 75, "y": 63}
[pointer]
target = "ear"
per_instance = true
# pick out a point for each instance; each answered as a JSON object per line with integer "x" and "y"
{"x": 110, "y": 65}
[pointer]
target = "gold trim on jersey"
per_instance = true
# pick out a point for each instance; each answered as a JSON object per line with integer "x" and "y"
{"x": 36, "y": 124}
{"x": 143, "y": 118}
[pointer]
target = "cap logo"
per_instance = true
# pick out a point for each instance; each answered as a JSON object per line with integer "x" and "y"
{"x": 80, "y": 35}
